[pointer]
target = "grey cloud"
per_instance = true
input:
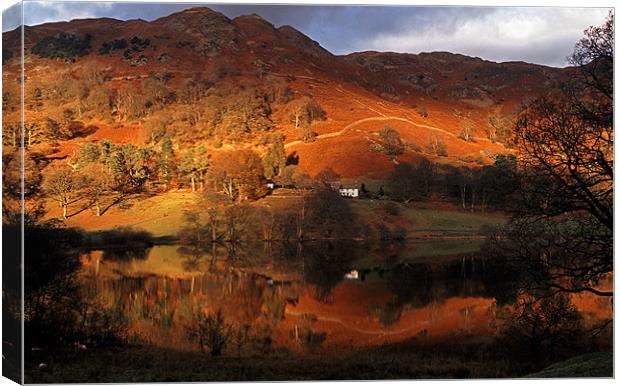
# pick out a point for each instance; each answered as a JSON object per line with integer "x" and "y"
{"x": 345, "y": 29}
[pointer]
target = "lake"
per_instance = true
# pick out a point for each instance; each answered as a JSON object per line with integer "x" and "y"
{"x": 308, "y": 298}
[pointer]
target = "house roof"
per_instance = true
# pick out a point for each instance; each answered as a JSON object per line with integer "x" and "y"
{"x": 339, "y": 185}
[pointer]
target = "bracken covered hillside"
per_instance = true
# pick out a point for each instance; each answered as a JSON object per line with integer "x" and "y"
{"x": 201, "y": 78}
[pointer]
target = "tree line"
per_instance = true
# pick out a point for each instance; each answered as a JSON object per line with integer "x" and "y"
{"x": 484, "y": 188}
{"x": 208, "y": 106}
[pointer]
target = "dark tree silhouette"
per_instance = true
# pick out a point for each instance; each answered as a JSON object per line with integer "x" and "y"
{"x": 562, "y": 235}
{"x": 569, "y": 137}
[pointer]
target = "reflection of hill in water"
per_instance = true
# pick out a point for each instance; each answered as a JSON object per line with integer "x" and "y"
{"x": 296, "y": 296}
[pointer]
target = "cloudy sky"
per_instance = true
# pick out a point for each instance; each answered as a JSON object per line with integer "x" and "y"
{"x": 543, "y": 35}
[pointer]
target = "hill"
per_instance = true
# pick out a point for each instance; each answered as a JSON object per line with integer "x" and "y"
{"x": 200, "y": 77}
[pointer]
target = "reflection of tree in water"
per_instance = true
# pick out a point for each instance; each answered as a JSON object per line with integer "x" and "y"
{"x": 389, "y": 313}
{"x": 304, "y": 335}
{"x": 541, "y": 330}
{"x": 325, "y": 264}
{"x": 501, "y": 279}
{"x": 191, "y": 258}
{"x": 126, "y": 253}
{"x": 421, "y": 285}
{"x": 412, "y": 284}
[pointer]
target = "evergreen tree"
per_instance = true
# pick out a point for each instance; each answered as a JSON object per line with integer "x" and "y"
{"x": 188, "y": 167}
{"x": 132, "y": 166}
{"x": 89, "y": 154}
{"x": 275, "y": 159}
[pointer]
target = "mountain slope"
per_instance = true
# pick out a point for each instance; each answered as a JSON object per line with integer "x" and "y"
{"x": 205, "y": 78}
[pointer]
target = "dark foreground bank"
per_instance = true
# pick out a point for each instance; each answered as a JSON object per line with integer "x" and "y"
{"x": 136, "y": 363}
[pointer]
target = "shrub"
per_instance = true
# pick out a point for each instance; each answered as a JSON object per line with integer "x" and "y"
{"x": 6, "y": 55}
{"x": 413, "y": 147}
{"x": 211, "y": 331}
{"x": 391, "y": 141}
{"x": 304, "y": 111}
{"x": 376, "y": 148}
{"x": 116, "y": 44}
{"x": 437, "y": 146}
{"x": 63, "y": 45}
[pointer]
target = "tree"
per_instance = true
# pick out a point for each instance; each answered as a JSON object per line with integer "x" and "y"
{"x": 235, "y": 218}
{"x": 392, "y": 143}
{"x": 274, "y": 160}
{"x": 571, "y": 254}
{"x": 327, "y": 176}
{"x": 166, "y": 161}
{"x": 187, "y": 167}
{"x": 34, "y": 133}
{"x": 402, "y": 184}
{"x": 88, "y": 154}
{"x": 304, "y": 111}
{"x": 425, "y": 174}
{"x": 457, "y": 183}
{"x": 211, "y": 331}
{"x": 202, "y": 164}
{"x": 437, "y": 146}
{"x": 408, "y": 182}
{"x": 556, "y": 142}
{"x": 156, "y": 92}
{"x": 499, "y": 127}
{"x": 570, "y": 137}
{"x": 63, "y": 185}
{"x": 543, "y": 328}
{"x": 16, "y": 171}
{"x": 330, "y": 214}
{"x": 238, "y": 173}
{"x": 99, "y": 182}
{"x": 303, "y": 185}
{"x": 132, "y": 166}
{"x": 466, "y": 132}
{"x": 12, "y": 133}
{"x": 594, "y": 58}
{"x": 128, "y": 104}
{"x": 307, "y": 134}
{"x": 499, "y": 181}
{"x": 564, "y": 227}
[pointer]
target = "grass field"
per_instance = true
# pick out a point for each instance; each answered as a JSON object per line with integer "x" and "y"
{"x": 163, "y": 215}
{"x": 429, "y": 220}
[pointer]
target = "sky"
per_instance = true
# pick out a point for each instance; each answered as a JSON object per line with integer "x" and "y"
{"x": 542, "y": 35}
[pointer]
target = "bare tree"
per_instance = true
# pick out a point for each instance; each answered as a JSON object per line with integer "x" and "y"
{"x": 211, "y": 331}
{"x": 63, "y": 185}
{"x": 436, "y": 145}
{"x": 466, "y": 131}
{"x": 391, "y": 141}
{"x": 99, "y": 182}
{"x": 554, "y": 141}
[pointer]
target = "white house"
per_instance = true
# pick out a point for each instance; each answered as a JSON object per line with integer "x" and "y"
{"x": 349, "y": 191}
{"x": 345, "y": 190}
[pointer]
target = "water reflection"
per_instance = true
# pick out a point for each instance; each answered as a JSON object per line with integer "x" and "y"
{"x": 301, "y": 297}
